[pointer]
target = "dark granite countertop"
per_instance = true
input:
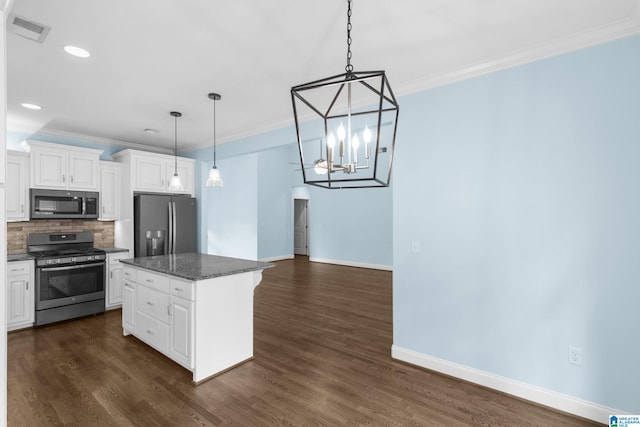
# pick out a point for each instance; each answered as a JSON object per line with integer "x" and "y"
{"x": 114, "y": 250}
{"x": 19, "y": 257}
{"x": 195, "y": 266}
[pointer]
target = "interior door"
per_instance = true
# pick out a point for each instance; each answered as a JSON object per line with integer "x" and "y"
{"x": 300, "y": 226}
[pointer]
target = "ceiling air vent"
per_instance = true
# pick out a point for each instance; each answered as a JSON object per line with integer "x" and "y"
{"x": 28, "y": 29}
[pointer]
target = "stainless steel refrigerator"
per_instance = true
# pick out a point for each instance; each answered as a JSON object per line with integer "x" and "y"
{"x": 164, "y": 224}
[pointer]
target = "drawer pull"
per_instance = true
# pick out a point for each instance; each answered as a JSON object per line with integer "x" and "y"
{"x": 150, "y": 303}
{"x": 178, "y": 289}
{"x": 17, "y": 269}
{"x": 150, "y": 280}
{"x": 150, "y": 332}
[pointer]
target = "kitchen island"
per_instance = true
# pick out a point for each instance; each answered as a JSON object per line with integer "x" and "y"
{"x": 197, "y": 309}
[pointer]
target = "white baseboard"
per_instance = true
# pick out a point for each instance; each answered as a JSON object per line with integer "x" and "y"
{"x": 561, "y": 402}
{"x": 277, "y": 258}
{"x": 352, "y": 264}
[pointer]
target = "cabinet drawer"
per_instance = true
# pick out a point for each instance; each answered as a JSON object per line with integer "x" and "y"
{"x": 153, "y": 303}
{"x": 129, "y": 273}
{"x": 153, "y": 280}
{"x": 183, "y": 289}
{"x": 19, "y": 267}
{"x": 152, "y": 331}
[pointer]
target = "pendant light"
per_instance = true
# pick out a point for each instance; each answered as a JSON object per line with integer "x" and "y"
{"x": 353, "y": 116}
{"x": 175, "y": 184}
{"x": 215, "y": 180}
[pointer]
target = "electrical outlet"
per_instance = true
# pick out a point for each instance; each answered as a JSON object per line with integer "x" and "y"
{"x": 576, "y": 356}
{"x": 415, "y": 246}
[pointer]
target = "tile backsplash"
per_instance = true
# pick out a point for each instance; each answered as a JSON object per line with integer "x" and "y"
{"x": 17, "y": 232}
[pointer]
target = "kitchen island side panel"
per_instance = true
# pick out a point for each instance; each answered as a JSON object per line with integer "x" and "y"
{"x": 224, "y": 323}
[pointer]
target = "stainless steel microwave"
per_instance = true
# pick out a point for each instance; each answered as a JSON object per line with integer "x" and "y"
{"x": 62, "y": 204}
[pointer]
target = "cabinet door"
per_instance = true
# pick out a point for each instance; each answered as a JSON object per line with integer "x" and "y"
{"x": 150, "y": 174}
{"x": 17, "y": 188}
{"x": 114, "y": 289}
{"x": 19, "y": 309}
{"x": 20, "y": 295}
{"x": 110, "y": 192}
{"x": 83, "y": 171}
{"x": 180, "y": 332}
{"x": 129, "y": 307}
{"x": 49, "y": 168}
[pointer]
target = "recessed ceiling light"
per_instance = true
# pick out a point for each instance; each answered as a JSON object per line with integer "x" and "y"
{"x": 149, "y": 130}
{"x": 77, "y": 51}
{"x": 31, "y": 106}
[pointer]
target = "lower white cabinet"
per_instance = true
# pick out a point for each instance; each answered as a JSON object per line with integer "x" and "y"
{"x": 20, "y": 295}
{"x": 115, "y": 279}
{"x": 155, "y": 311}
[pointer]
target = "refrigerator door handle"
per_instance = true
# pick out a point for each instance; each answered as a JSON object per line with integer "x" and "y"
{"x": 170, "y": 243}
{"x": 175, "y": 227}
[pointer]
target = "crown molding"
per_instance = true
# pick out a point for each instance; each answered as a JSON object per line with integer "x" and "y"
{"x": 617, "y": 30}
{"x": 72, "y": 136}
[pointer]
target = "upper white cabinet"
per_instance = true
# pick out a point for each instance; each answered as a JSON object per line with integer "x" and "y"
{"x": 110, "y": 190}
{"x": 152, "y": 172}
{"x": 17, "y": 186}
{"x": 60, "y": 166}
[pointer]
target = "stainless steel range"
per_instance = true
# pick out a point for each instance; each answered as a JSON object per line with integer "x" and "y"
{"x": 69, "y": 276}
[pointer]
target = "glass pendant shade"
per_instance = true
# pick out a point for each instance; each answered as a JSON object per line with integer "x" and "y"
{"x": 175, "y": 184}
{"x": 215, "y": 180}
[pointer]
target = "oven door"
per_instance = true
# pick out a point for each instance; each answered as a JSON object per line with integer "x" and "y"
{"x": 72, "y": 284}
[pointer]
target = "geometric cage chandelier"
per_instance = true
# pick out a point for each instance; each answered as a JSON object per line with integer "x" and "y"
{"x": 346, "y": 127}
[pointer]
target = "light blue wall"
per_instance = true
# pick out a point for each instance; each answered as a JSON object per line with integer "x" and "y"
{"x": 522, "y": 189}
{"x": 346, "y": 226}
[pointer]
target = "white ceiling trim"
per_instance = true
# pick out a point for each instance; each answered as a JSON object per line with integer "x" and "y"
{"x": 618, "y": 30}
{"x": 78, "y": 137}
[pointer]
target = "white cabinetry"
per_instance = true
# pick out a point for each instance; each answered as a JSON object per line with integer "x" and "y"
{"x": 110, "y": 190}
{"x": 129, "y": 300}
{"x": 60, "y": 166}
{"x": 204, "y": 325}
{"x": 17, "y": 186}
{"x": 115, "y": 279}
{"x": 20, "y": 295}
{"x": 152, "y": 172}
{"x": 163, "y": 315}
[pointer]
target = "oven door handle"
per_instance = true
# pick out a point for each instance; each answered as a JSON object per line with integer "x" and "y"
{"x": 72, "y": 267}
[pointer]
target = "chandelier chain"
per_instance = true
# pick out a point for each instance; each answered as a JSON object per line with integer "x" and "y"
{"x": 349, "y": 67}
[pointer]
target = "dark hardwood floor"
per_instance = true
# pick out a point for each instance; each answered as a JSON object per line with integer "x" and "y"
{"x": 323, "y": 336}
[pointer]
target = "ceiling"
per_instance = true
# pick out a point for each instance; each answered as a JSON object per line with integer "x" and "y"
{"x": 151, "y": 57}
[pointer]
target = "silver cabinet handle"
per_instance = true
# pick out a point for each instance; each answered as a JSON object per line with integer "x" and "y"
{"x": 150, "y": 332}
{"x": 103, "y": 208}
{"x": 169, "y": 310}
{"x": 17, "y": 269}
{"x": 27, "y": 285}
{"x": 149, "y": 303}
{"x": 178, "y": 289}
{"x": 64, "y": 178}
{"x": 22, "y": 208}
{"x": 71, "y": 176}
{"x": 150, "y": 280}
{"x": 111, "y": 274}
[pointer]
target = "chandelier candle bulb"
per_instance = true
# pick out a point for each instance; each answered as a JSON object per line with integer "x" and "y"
{"x": 355, "y": 142}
